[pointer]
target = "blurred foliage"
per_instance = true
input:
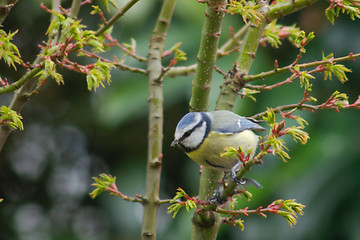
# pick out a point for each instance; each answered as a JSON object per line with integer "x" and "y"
{"x": 71, "y": 135}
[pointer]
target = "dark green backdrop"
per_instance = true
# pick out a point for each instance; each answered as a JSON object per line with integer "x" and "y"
{"x": 72, "y": 134}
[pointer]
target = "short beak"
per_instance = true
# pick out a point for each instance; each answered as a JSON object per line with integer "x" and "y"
{"x": 175, "y": 142}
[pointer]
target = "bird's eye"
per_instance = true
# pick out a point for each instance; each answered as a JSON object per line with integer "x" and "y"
{"x": 188, "y": 133}
{"x": 185, "y": 135}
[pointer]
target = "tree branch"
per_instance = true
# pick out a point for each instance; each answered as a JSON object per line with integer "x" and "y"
{"x": 75, "y": 8}
{"x": 206, "y": 224}
{"x": 5, "y": 9}
{"x": 116, "y": 62}
{"x": 20, "y": 97}
{"x": 206, "y": 57}
{"x": 119, "y": 14}
{"x": 234, "y": 41}
{"x": 234, "y": 81}
{"x": 282, "y": 8}
{"x": 16, "y": 85}
{"x": 250, "y": 78}
{"x": 155, "y": 135}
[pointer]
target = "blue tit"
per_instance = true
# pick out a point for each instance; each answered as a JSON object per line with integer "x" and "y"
{"x": 203, "y": 136}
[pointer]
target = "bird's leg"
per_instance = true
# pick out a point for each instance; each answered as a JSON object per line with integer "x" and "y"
{"x": 215, "y": 199}
{"x": 242, "y": 181}
{"x": 233, "y": 174}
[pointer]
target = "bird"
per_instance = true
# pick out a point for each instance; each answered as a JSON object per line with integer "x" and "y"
{"x": 203, "y": 136}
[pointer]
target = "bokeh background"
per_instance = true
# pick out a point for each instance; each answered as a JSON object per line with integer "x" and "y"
{"x": 72, "y": 135}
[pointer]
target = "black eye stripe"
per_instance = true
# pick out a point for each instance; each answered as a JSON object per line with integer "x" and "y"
{"x": 204, "y": 120}
{"x": 188, "y": 133}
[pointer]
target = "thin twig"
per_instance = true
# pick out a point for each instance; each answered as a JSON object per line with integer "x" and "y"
{"x": 119, "y": 14}
{"x": 115, "y": 192}
{"x": 117, "y": 63}
{"x": 276, "y": 71}
{"x": 297, "y": 106}
{"x": 233, "y": 43}
{"x": 130, "y": 53}
{"x": 181, "y": 71}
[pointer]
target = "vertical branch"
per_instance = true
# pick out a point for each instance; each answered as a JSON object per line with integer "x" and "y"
{"x": 206, "y": 224}
{"x": 75, "y": 8}
{"x": 155, "y": 135}
{"x": 214, "y": 14}
{"x": 233, "y": 82}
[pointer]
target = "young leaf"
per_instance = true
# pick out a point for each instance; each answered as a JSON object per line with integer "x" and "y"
{"x": 338, "y": 69}
{"x": 102, "y": 183}
{"x": 229, "y": 152}
{"x": 190, "y": 204}
{"x": 305, "y": 80}
{"x": 174, "y": 208}
{"x": 8, "y": 51}
{"x": 291, "y": 209}
{"x": 249, "y": 10}
{"x": 297, "y": 134}
{"x": 179, "y": 194}
{"x": 270, "y": 117}
{"x": 10, "y": 118}
{"x": 99, "y": 73}
{"x": 278, "y": 146}
{"x": 246, "y": 92}
{"x": 240, "y": 223}
{"x": 274, "y": 33}
{"x": 49, "y": 70}
{"x": 302, "y": 40}
{"x": 352, "y": 8}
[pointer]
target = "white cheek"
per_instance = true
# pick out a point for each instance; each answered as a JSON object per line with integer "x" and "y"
{"x": 180, "y": 132}
{"x": 196, "y": 137}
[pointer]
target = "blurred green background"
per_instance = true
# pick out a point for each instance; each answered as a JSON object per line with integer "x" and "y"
{"x": 72, "y": 134}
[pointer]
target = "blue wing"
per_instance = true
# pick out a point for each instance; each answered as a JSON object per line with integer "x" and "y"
{"x": 229, "y": 122}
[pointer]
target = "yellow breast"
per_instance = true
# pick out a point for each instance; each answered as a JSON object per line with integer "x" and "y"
{"x": 208, "y": 154}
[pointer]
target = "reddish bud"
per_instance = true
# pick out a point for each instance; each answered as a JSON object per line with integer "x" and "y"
{"x": 270, "y": 151}
{"x": 166, "y": 53}
{"x": 283, "y": 33}
{"x": 320, "y": 68}
{"x": 276, "y": 64}
{"x": 173, "y": 62}
{"x": 86, "y": 1}
{"x": 42, "y": 5}
{"x": 281, "y": 125}
{"x": 232, "y": 31}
